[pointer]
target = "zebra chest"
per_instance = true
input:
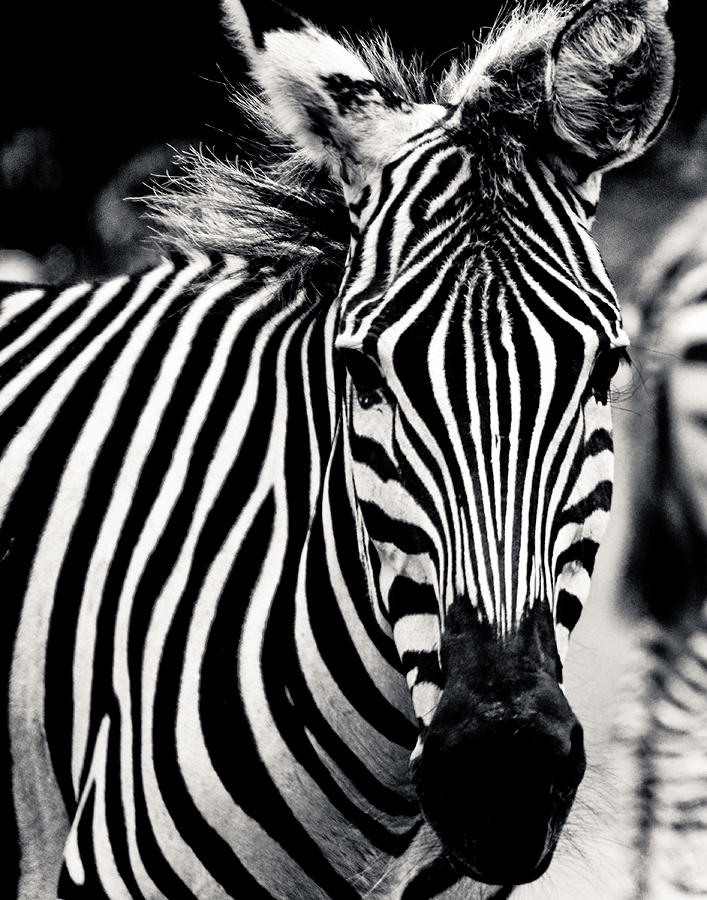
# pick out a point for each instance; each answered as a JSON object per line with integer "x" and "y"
{"x": 183, "y": 632}
{"x": 212, "y": 743}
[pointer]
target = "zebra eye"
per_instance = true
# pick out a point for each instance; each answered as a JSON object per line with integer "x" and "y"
{"x": 606, "y": 365}
{"x": 365, "y": 376}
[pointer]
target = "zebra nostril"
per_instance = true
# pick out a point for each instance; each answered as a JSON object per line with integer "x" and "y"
{"x": 576, "y": 751}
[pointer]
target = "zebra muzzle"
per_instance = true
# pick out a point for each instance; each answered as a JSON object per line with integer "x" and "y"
{"x": 500, "y": 763}
{"x": 498, "y": 792}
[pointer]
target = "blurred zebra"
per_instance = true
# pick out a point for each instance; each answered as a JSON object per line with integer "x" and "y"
{"x": 666, "y": 568}
{"x": 299, "y": 535}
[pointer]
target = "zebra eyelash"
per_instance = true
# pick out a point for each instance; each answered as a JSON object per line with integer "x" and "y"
{"x": 366, "y": 378}
{"x": 625, "y": 357}
{"x": 606, "y": 365}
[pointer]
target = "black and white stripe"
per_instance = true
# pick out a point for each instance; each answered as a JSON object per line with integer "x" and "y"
{"x": 293, "y": 545}
{"x": 538, "y": 310}
{"x": 666, "y": 570}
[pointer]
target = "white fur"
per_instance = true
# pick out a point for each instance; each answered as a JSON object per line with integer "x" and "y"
{"x": 510, "y": 38}
{"x": 594, "y": 115}
{"x": 290, "y": 69}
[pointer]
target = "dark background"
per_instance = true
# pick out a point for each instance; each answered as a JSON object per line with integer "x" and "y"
{"x": 93, "y": 94}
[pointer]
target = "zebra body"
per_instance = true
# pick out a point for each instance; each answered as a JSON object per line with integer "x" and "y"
{"x": 200, "y": 341}
{"x": 294, "y": 541}
{"x": 669, "y": 739}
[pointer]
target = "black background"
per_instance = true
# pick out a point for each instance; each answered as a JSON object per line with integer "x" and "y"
{"x": 101, "y": 82}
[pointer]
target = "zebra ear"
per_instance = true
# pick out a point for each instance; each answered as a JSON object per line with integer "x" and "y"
{"x": 610, "y": 82}
{"x": 320, "y": 93}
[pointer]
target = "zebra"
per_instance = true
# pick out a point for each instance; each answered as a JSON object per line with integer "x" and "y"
{"x": 296, "y": 524}
{"x": 665, "y": 570}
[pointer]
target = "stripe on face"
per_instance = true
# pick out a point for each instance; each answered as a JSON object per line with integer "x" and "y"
{"x": 485, "y": 332}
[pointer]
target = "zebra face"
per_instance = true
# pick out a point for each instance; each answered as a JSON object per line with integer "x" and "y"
{"x": 479, "y": 333}
{"x": 478, "y": 435}
{"x": 479, "y": 430}
{"x": 664, "y": 565}
{"x": 684, "y": 341}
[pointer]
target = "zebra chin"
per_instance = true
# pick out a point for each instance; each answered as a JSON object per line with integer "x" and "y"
{"x": 512, "y": 853}
{"x": 498, "y": 767}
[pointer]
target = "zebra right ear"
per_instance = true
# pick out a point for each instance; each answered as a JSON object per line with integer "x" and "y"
{"x": 610, "y": 82}
{"x": 321, "y": 94}
{"x": 263, "y": 16}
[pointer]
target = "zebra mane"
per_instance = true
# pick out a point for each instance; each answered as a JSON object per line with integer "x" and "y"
{"x": 274, "y": 209}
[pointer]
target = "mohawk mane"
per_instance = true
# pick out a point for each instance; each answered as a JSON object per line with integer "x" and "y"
{"x": 274, "y": 209}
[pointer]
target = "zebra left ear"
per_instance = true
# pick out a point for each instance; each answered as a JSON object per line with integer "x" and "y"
{"x": 610, "y": 82}
{"x": 320, "y": 92}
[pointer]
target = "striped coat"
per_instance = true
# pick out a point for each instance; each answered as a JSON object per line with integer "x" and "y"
{"x": 294, "y": 532}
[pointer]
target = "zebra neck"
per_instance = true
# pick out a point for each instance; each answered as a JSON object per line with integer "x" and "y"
{"x": 345, "y": 648}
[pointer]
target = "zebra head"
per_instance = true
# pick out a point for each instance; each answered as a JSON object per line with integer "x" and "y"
{"x": 479, "y": 334}
{"x": 666, "y": 558}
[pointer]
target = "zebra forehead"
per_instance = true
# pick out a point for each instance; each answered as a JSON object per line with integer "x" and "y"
{"x": 470, "y": 297}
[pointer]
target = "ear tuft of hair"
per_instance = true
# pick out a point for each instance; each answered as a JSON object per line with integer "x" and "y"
{"x": 610, "y": 80}
{"x": 249, "y": 29}
{"x": 320, "y": 92}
